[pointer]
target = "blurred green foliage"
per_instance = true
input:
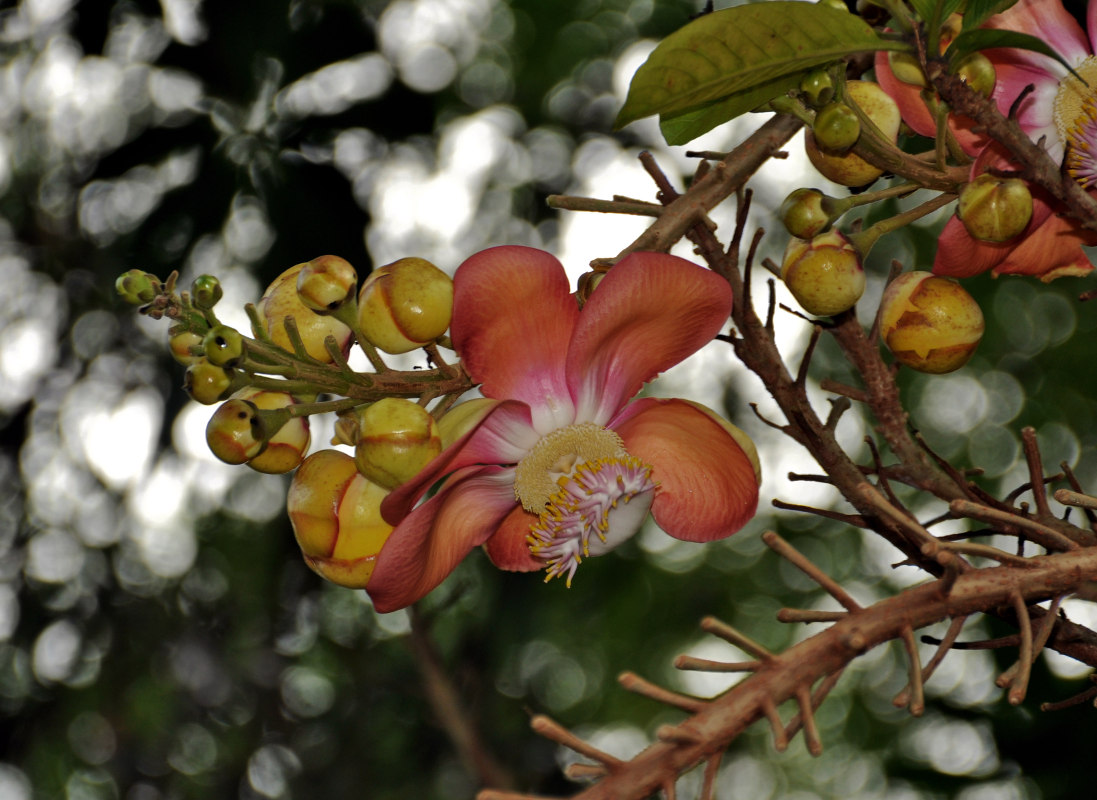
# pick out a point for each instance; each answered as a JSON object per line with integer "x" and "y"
{"x": 159, "y": 635}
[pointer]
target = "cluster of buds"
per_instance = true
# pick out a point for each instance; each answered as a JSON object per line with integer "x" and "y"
{"x": 295, "y": 364}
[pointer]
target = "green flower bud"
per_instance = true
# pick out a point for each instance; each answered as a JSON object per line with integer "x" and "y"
{"x": 281, "y": 302}
{"x": 977, "y": 71}
{"x": 836, "y": 127}
{"x": 206, "y": 291}
{"x": 336, "y": 518}
{"x": 325, "y": 283}
{"x": 207, "y": 383}
{"x": 405, "y": 305}
{"x": 849, "y": 169}
{"x": 137, "y": 287}
{"x": 824, "y": 274}
{"x": 235, "y": 432}
{"x": 929, "y": 323}
{"x": 906, "y": 68}
{"x": 995, "y": 209}
{"x": 817, "y": 87}
{"x": 805, "y": 213}
{"x": 224, "y": 346}
{"x": 396, "y": 439}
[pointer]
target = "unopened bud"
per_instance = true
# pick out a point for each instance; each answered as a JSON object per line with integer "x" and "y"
{"x": 281, "y": 302}
{"x": 136, "y": 287}
{"x": 930, "y": 323}
{"x": 836, "y": 127}
{"x": 824, "y": 274}
{"x": 849, "y": 169}
{"x": 207, "y": 383}
{"x": 977, "y": 71}
{"x": 286, "y": 446}
{"x": 817, "y": 87}
{"x": 805, "y": 213}
{"x": 405, "y": 305}
{"x": 206, "y": 291}
{"x": 235, "y": 432}
{"x": 396, "y": 439}
{"x": 224, "y": 346}
{"x": 995, "y": 209}
{"x": 325, "y": 283}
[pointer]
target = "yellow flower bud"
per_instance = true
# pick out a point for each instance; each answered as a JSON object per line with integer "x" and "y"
{"x": 824, "y": 274}
{"x": 849, "y": 169}
{"x": 405, "y": 305}
{"x": 995, "y": 209}
{"x": 235, "y": 432}
{"x": 336, "y": 517}
{"x": 930, "y": 324}
{"x": 281, "y": 301}
{"x": 207, "y": 383}
{"x": 287, "y": 446}
{"x": 325, "y": 283}
{"x": 396, "y": 439}
{"x": 180, "y": 345}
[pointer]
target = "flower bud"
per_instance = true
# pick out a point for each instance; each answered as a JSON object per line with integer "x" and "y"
{"x": 281, "y": 302}
{"x": 136, "y": 287}
{"x": 906, "y": 68}
{"x": 325, "y": 283}
{"x": 206, "y": 291}
{"x": 285, "y": 447}
{"x": 405, "y": 305}
{"x": 207, "y": 383}
{"x": 836, "y": 127}
{"x": 235, "y": 432}
{"x": 224, "y": 346}
{"x": 824, "y": 274}
{"x": 805, "y": 213}
{"x": 182, "y": 346}
{"x": 930, "y": 324}
{"x": 995, "y": 209}
{"x": 396, "y": 439}
{"x": 336, "y": 517}
{"x": 977, "y": 71}
{"x": 817, "y": 87}
{"x": 849, "y": 169}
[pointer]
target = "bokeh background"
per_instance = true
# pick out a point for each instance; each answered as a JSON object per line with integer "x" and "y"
{"x": 159, "y": 634}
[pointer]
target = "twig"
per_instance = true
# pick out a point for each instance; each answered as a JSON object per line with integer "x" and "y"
{"x": 797, "y": 559}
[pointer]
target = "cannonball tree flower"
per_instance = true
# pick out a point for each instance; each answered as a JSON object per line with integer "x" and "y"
{"x": 559, "y": 460}
{"x": 1060, "y": 110}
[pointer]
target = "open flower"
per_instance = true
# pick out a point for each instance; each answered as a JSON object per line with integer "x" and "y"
{"x": 1060, "y": 110}
{"x": 558, "y": 462}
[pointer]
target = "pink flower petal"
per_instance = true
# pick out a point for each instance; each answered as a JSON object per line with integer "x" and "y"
{"x": 1052, "y": 250}
{"x": 961, "y": 256}
{"x": 501, "y": 437}
{"x": 648, "y": 313}
{"x": 1036, "y": 113}
{"x": 429, "y": 544}
{"x": 508, "y": 549}
{"x": 513, "y": 316}
{"x": 707, "y": 484}
{"x": 1047, "y": 20}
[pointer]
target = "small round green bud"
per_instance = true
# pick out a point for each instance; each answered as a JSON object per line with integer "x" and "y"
{"x": 207, "y": 383}
{"x": 817, "y": 87}
{"x": 995, "y": 209}
{"x": 182, "y": 344}
{"x": 325, "y": 283}
{"x": 824, "y": 274}
{"x": 235, "y": 432}
{"x": 405, "y": 305}
{"x": 836, "y": 127}
{"x": 136, "y": 287}
{"x": 929, "y": 323}
{"x": 206, "y": 291}
{"x": 396, "y": 439}
{"x": 849, "y": 169}
{"x": 977, "y": 71}
{"x": 224, "y": 346}
{"x": 804, "y": 213}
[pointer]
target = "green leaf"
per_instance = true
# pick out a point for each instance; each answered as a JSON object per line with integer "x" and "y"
{"x": 986, "y": 38}
{"x": 979, "y": 11}
{"x": 740, "y": 49}
{"x": 686, "y": 126}
{"x": 924, "y": 9}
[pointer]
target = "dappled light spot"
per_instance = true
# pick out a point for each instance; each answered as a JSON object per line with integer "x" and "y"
{"x": 306, "y": 693}
{"x": 56, "y": 651}
{"x": 54, "y": 556}
{"x": 336, "y": 87}
{"x": 194, "y": 750}
{"x": 952, "y": 404}
{"x": 952, "y": 746}
{"x": 271, "y": 768}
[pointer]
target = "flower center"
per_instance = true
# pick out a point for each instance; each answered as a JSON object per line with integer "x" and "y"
{"x": 579, "y": 481}
{"x": 1076, "y": 120}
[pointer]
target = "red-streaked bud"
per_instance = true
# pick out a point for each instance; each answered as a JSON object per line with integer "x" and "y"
{"x": 929, "y": 323}
{"x": 280, "y": 302}
{"x": 396, "y": 439}
{"x": 235, "y": 432}
{"x": 325, "y": 283}
{"x": 182, "y": 346}
{"x": 336, "y": 517}
{"x": 824, "y": 274}
{"x": 405, "y": 305}
{"x": 286, "y": 447}
{"x": 995, "y": 209}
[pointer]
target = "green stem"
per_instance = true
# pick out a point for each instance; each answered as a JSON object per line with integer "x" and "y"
{"x": 865, "y": 239}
